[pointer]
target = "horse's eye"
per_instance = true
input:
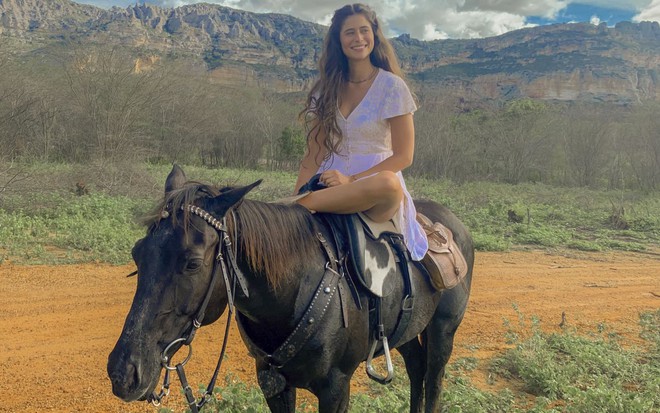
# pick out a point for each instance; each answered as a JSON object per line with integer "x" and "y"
{"x": 194, "y": 265}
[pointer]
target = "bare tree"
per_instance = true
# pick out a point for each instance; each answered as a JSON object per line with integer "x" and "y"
{"x": 437, "y": 148}
{"x": 586, "y": 140}
{"x": 15, "y": 105}
{"x": 11, "y": 175}
{"x": 184, "y": 117}
{"x": 110, "y": 101}
{"x": 643, "y": 150}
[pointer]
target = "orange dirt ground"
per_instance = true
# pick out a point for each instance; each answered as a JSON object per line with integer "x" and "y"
{"x": 59, "y": 323}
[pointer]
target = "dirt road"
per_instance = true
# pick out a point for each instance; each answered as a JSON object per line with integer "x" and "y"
{"x": 59, "y": 323}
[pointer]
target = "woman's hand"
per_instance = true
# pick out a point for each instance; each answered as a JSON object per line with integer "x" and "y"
{"x": 334, "y": 178}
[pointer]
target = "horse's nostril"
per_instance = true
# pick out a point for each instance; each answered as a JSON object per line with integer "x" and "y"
{"x": 131, "y": 375}
{"x": 124, "y": 382}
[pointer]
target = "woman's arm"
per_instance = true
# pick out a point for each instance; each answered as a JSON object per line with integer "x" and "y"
{"x": 403, "y": 148}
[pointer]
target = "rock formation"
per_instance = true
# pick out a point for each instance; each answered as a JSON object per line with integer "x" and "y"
{"x": 580, "y": 61}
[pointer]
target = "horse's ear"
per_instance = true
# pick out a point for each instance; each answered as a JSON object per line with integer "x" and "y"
{"x": 175, "y": 179}
{"x": 221, "y": 203}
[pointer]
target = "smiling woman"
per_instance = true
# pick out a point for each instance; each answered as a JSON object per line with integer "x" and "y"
{"x": 360, "y": 131}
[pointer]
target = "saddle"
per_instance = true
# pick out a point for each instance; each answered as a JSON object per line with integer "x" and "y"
{"x": 370, "y": 254}
{"x": 444, "y": 263}
{"x": 374, "y": 250}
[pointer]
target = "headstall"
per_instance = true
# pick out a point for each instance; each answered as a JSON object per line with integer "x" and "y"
{"x": 224, "y": 250}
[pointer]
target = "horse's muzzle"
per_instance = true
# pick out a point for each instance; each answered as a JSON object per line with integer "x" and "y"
{"x": 128, "y": 381}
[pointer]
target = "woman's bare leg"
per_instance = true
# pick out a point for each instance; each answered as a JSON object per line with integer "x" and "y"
{"x": 378, "y": 196}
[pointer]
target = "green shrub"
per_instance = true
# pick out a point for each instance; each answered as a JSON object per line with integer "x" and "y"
{"x": 236, "y": 396}
{"x": 75, "y": 229}
{"x": 584, "y": 374}
{"x": 55, "y": 226}
{"x": 584, "y": 246}
{"x": 489, "y": 242}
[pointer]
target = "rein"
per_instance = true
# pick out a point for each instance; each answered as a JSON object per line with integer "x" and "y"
{"x": 225, "y": 252}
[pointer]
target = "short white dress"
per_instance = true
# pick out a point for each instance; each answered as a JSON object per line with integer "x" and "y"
{"x": 367, "y": 141}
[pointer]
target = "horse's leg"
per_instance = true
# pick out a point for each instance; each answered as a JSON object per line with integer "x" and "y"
{"x": 333, "y": 392}
{"x": 415, "y": 358}
{"x": 440, "y": 343}
{"x": 283, "y": 402}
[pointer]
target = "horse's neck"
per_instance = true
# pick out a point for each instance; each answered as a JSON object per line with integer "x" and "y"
{"x": 276, "y": 312}
{"x": 294, "y": 258}
{"x": 263, "y": 303}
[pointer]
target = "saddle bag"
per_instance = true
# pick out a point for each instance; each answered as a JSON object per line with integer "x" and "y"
{"x": 444, "y": 261}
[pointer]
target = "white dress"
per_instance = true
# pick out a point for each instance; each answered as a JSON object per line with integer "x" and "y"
{"x": 368, "y": 141}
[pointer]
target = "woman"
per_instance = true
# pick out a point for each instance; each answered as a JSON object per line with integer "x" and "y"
{"x": 359, "y": 117}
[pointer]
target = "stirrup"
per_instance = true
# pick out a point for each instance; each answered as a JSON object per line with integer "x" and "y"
{"x": 371, "y": 372}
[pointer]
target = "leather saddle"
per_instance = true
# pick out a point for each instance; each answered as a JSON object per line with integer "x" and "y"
{"x": 372, "y": 251}
{"x": 371, "y": 255}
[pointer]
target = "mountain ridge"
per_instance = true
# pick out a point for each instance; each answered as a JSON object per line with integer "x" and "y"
{"x": 567, "y": 62}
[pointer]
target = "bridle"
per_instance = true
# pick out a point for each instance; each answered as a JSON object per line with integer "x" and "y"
{"x": 270, "y": 381}
{"x": 226, "y": 254}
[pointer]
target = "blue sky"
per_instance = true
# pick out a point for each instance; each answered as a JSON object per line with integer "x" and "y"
{"x": 577, "y": 12}
{"x": 442, "y": 19}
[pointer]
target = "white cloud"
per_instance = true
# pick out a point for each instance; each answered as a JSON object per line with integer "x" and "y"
{"x": 432, "y": 33}
{"x": 616, "y": 4}
{"x": 431, "y": 19}
{"x": 422, "y": 19}
{"x": 650, "y": 13}
{"x": 428, "y": 23}
{"x": 543, "y": 8}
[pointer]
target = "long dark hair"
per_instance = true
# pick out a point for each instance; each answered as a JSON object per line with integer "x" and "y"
{"x": 320, "y": 112}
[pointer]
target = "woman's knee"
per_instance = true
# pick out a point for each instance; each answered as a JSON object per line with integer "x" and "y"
{"x": 387, "y": 184}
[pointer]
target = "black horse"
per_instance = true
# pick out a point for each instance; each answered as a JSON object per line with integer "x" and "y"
{"x": 277, "y": 250}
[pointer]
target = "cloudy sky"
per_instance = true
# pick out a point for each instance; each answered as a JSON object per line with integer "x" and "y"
{"x": 442, "y": 19}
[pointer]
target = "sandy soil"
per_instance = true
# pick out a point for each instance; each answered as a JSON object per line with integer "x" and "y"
{"x": 59, "y": 323}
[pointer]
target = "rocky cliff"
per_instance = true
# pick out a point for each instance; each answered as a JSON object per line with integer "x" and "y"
{"x": 21, "y": 18}
{"x": 561, "y": 62}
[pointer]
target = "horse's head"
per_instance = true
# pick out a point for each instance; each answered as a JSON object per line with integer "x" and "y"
{"x": 175, "y": 262}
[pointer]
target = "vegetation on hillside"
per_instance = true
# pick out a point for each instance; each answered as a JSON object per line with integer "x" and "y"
{"x": 95, "y": 104}
{"x": 105, "y": 123}
{"x": 58, "y": 213}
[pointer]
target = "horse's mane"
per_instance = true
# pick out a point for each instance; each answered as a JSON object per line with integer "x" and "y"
{"x": 275, "y": 239}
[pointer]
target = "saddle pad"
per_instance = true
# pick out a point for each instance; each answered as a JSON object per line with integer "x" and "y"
{"x": 370, "y": 260}
{"x": 380, "y": 267}
{"x": 377, "y": 266}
